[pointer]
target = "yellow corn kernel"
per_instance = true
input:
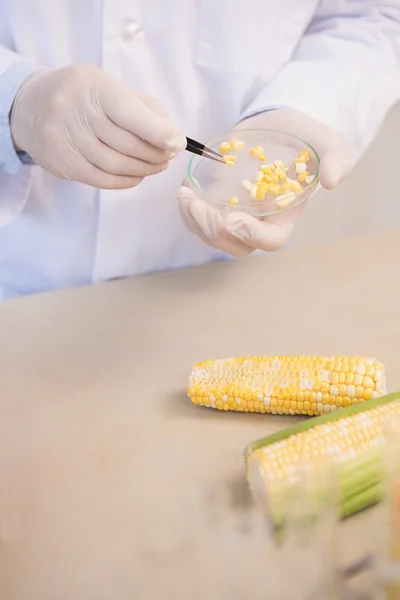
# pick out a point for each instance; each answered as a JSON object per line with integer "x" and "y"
{"x": 234, "y": 200}
{"x": 237, "y": 145}
{"x": 286, "y": 187}
{"x": 302, "y": 157}
{"x": 302, "y": 176}
{"x": 268, "y": 178}
{"x": 261, "y": 157}
{"x": 256, "y": 151}
{"x": 280, "y": 172}
{"x": 295, "y": 186}
{"x": 267, "y": 169}
{"x": 229, "y": 159}
{"x": 246, "y": 183}
{"x": 261, "y": 191}
{"x": 225, "y": 147}
{"x": 274, "y": 188}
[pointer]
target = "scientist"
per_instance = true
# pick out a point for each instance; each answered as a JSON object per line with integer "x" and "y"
{"x": 97, "y": 96}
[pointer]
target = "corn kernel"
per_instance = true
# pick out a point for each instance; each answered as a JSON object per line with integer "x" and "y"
{"x": 286, "y": 187}
{"x": 359, "y": 391}
{"x": 268, "y": 178}
{"x": 358, "y": 379}
{"x": 267, "y": 169}
{"x": 280, "y": 173}
{"x": 309, "y": 179}
{"x": 256, "y": 151}
{"x": 278, "y": 163}
{"x": 246, "y": 183}
{"x": 302, "y": 157}
{"x": 237, "y": 145}
{"x": 284, "y": 200}
{"x": 274, "y": 188}
{"x": 234, "y": 200}
{"x": 253, "y": 191}
{"x": 302, "y": 176}
{"x": 261, "y": 157}
{"x": 229, "y": 159}
{"x": 261, "y": 191}
{"x": 301, "y": 167}
{"x": 295, "y": 186}
{"x": 225, "y": 147}
{"x": 259, "y": 176}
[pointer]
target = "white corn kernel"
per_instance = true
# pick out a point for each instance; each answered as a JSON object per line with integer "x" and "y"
{"x": 284, "y": 200}
{"x": 259, "y": 176}
{"x": 246, "y": 183}
{"x": 253, "y": 191}
{"x": 237, "y": 144}
{"x": 309, "y": 179}
{"x": 300, "y": 167}
{"x": 351, "y": 391}
{"x": 360, "y": 369}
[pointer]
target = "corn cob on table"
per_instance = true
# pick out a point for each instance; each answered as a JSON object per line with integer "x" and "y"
{"x": 352, "y": 439}
{"x": 290, "y": 385}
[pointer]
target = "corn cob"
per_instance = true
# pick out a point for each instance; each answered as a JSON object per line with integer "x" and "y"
{"x": 297, "y": 385}
{"x": 351, "y": 439}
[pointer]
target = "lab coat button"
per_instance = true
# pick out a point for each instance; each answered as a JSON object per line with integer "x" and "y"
{"x": 130, "y": 31}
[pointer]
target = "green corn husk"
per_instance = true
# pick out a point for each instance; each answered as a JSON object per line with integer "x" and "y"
{"x": 358, "y": 477}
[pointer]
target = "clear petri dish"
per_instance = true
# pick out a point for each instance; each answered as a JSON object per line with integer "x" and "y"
{"x": 217, "y": 183}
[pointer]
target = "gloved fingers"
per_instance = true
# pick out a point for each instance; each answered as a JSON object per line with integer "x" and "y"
{"x": 123, "y": 106}
{"x": 334, "y": 167}
{"x": 111, "y": 161}
{"x": 84, "y": 171}
{"x": 185, "y": 197}
{"x": 126, "y": 142}
{"x": 205, "y": 222}
{"x": 329, "y": 143}
{"x": 154, "y": 104}
{"x": 268, "y": 235}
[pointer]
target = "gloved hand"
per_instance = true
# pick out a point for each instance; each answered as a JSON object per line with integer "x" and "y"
{"x": 80, "y": 123}
{"x": 240, "y": 234}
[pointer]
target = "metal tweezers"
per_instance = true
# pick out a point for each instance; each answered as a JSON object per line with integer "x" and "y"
{"x": 202, "y": 150}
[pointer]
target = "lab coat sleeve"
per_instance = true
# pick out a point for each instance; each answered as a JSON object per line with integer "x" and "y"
{"x": 345, "y": 71}
{"x": 14, "y": 175}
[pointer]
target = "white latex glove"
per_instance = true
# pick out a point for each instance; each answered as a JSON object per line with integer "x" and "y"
{"x": 80, "y": 123}
{"x": 240, "y": 234}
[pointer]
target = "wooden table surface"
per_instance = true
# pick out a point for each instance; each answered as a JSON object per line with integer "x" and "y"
{"x": 113, "y": 486}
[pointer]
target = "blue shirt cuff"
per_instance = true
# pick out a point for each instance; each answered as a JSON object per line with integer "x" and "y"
{"x": 10, "y": 82}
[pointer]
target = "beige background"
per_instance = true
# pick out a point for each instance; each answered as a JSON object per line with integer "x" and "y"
{"x": 369, "y": 200}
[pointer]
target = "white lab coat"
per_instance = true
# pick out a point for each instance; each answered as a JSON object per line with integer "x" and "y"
{"x": 210, "y": 62}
